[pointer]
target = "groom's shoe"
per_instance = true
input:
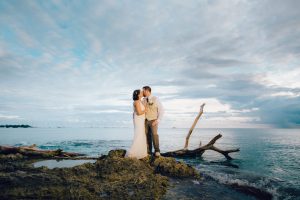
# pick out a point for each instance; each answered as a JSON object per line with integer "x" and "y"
{"x": 157, "y": 154}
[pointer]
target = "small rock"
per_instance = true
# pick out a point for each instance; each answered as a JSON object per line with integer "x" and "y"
{"x": 120, "y": 153}
{"x": 170, "y": 167}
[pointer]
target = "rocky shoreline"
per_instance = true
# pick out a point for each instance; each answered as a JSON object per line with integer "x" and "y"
{"x": 112, "y": 176}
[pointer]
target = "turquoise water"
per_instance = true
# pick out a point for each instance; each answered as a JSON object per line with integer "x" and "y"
{"x": 269, "y": 158}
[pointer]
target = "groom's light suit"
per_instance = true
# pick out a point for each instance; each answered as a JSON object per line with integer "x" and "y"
{"x": 155, "y": 112}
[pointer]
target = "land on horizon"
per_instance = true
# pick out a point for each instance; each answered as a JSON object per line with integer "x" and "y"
{"x": 15, "y": 126}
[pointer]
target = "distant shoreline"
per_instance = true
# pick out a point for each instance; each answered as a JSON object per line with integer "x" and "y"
{"x": 16, "y": 126}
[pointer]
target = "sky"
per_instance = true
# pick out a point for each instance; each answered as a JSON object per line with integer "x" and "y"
{"x": 76, "y": 63}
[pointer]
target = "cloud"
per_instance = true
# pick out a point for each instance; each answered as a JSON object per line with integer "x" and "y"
{"x": 77, "y": 63}
{"x": 9, "y": 116}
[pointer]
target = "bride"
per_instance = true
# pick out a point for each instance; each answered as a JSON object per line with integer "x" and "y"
{"x": 138, "y": 148}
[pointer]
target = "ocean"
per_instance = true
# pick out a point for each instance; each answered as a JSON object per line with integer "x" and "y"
{"x": 269, "y": 159}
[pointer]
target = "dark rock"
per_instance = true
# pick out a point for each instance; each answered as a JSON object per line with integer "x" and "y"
{"x": 256, "y": 192}
{"x": 120, "y": 153}
{"x": 111, "y": 177}
{"x": 8, "y": 157}
{"x": 170, "y": 167}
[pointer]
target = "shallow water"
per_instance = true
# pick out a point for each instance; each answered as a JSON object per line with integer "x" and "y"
{"x": 206, "y": 189}
{"x": 51, "y": 164}
{"x": 269, "y": 158}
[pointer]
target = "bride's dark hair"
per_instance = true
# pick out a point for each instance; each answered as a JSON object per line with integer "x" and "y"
{"x": 135, "y": 95}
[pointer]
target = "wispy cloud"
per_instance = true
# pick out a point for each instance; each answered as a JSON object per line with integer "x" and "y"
{"x": 77, "y": 63}
{"x": 9, "y": 116}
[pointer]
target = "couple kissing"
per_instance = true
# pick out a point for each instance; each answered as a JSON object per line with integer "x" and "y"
{"x": 147, "y": 114}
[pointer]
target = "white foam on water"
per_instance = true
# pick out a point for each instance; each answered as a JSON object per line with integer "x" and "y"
{"x": 22, "y": 143}
{"x": 228, "y": 179}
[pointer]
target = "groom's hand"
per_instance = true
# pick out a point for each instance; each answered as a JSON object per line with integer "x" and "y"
{"x": 154, "y": 123}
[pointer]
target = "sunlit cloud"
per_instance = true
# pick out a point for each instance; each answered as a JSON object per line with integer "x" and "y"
{"x": 62, "y": 68}
{"x": 9, "y": 116}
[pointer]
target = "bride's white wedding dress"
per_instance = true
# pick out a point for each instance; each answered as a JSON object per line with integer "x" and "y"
{"x": 138, "y": 148}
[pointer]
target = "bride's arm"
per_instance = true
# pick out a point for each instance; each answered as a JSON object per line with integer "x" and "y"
{"x": 138, "y": 109}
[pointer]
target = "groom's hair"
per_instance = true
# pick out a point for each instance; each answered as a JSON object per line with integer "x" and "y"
{"x": 147, "y": 88}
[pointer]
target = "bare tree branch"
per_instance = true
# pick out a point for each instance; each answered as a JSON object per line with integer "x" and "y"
{"x": 193, "y": 126}
{"x": 199, "y": 151}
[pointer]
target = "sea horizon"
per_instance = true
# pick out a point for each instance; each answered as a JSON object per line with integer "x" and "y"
{"x": 159, "y": 127}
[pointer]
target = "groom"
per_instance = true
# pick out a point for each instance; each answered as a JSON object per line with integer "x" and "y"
{"x": 154, "y": 115}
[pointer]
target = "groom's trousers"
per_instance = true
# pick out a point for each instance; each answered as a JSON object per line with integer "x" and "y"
{"x": 152, "y": 136}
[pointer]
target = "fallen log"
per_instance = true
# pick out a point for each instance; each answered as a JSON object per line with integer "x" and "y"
{"x": 199, "y": 151}
{"x": 33, "y": 151}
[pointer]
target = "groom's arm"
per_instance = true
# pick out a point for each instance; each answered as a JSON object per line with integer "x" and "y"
{"x": 160, "y": 109}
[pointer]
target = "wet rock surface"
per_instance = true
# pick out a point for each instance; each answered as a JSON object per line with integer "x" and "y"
{"x": 111, "y": 177}
{"x": 170, "y": 167}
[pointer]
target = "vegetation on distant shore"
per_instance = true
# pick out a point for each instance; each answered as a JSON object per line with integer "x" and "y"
{"x": 15, "y": 126}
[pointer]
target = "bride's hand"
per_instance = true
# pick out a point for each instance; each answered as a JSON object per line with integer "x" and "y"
{"x": 144, "y": 103}
{"x": 146, "y": 109}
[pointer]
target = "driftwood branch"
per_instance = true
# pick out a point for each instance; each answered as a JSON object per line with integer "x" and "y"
{"x": 193, "y": 126}
{"x": 33, "y": 151}
{"x": 199, "y": 151}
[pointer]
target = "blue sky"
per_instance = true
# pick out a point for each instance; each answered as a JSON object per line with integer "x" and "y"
{"x": 76, "y": 63}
